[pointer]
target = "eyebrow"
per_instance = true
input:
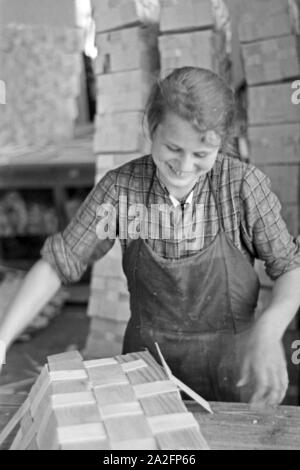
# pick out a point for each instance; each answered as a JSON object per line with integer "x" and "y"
{"x": 206, "y": 148}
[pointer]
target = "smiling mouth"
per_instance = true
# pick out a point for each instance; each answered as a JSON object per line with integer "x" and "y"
{"x": 180, "y": 173}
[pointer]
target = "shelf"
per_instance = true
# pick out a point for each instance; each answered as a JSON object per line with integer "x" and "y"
{"x": 58, "y": 168}
{"x": 68, "y": 164}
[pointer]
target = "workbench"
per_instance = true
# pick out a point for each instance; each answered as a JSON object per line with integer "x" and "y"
{"x": 233, "y": 426}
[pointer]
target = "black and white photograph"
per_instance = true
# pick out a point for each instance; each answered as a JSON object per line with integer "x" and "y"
{"x": 149, "y": 227}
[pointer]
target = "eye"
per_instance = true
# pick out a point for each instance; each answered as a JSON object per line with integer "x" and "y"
{"x": 172, "y": 149}
{"x": 201, "y": 155}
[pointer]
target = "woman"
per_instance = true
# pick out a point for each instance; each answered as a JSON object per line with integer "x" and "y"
{"x": 192, "y": 288}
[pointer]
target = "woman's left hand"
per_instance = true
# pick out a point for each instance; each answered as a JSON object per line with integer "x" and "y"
{"x": 264, "y": 365}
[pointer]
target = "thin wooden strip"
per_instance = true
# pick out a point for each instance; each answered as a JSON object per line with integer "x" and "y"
{"x": 137, "y": 377}
{"x": 81, "y": 433}
{"x": 68, "y": 375}
{"x": 128, "y": 358}
{"x": 146, "y": 374}
{"x": 39, "y": 412}
{"x": 47, "y": 433}
{"x": 26, "y": 421}
{"x": 37, "y": 398}
{"x": 66, "y": 356}
{"x": 147, "y": 443}
{"x": 41, "y": 383}
{"x": 102, "y": 444}
{"x": 156, "y": 370}
{"x": 72, "y": 399}
{"x": 127, "y": 428}
{"x": 14, "y": 421}
{"x": 33, "y": 445}
{"x": 28, "y": 437}
{"x": 195, "y": 396}
{"x": 76, "y": 415}
{"x": 107, "y": 375}
{"x": 120, "y": 409}
{"x": 114, "y": 394}
{"x": 183, "y": 439}
{"x": 133, "y": 365}
{"x": 163, "y": 404}
{"x": 109, "y": 361}
{"x": 46, "y": 428}
{"x": 66, "y": 361}
{"x": 70, "y": 386}
{"x": 149, "y": 359}
{"x": 17, "y": 440}
{"x": 154, "y": 388}
{"x": 171, "y": 422}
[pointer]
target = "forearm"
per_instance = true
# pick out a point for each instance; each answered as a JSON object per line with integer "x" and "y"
{"x": 39, "y": 286}
{"x": 284, "y": 304}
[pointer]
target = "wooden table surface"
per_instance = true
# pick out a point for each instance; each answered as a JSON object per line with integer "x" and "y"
{"x": 232, "y": 426}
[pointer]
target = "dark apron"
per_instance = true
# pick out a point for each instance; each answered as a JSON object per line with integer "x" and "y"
{"x": 196, "y": 308}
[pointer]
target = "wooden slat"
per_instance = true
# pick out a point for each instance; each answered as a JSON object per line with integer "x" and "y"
{"x": 81, "y": 433}
{"x": 125, "y": 430}
{"x": 184, "y": 439}
{"x": 68, "y": 375}
{"x": 174, "y": 422}
{"x": 70, "y": 386}
{"x": 160, "y": 404}
{"x": 14, "y": 422}
{"x": 107, "y": 375}
{"x": 66, "y": 361}
{"x": 121, "y": 410}
{"x": 72, "y": 399}
{"x": 114, "y": 394}
{"x": 76, "y": 415}
{"x": 154, "y": 388}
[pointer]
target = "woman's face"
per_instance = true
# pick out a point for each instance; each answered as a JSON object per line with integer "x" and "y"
{"x": 182, "y": 154}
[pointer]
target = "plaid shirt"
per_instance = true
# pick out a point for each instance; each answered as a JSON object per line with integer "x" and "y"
{"x": 249, "y": 213}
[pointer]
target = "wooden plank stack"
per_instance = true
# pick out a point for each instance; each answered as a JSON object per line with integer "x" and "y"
{"x": 126, "y": 67}
{"x": 121, "y": 403}
{"x": 269, "y": 35}
{"x": 271, "y": 53}
{"x": 41, "y": 68}
{"x": 195, "y": 33}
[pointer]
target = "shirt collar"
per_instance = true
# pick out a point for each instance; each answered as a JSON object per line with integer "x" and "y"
{"x": 188, "y": 200}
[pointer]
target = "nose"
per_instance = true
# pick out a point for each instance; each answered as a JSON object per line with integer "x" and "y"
{"x": 187, "y": 162}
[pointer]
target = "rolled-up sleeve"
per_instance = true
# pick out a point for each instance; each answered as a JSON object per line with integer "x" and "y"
{"x": 71, "y": 251}
{"x": 263, "y": 229}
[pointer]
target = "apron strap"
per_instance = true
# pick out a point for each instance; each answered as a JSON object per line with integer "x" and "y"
{"x": 217, "y": 203}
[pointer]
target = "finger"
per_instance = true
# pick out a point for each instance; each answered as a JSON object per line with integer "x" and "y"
{"x": 245, "y": 374}
{"x": 274, "y": 389}
{"x": 276, "y": 396}
{"x": 262, "y": 387}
